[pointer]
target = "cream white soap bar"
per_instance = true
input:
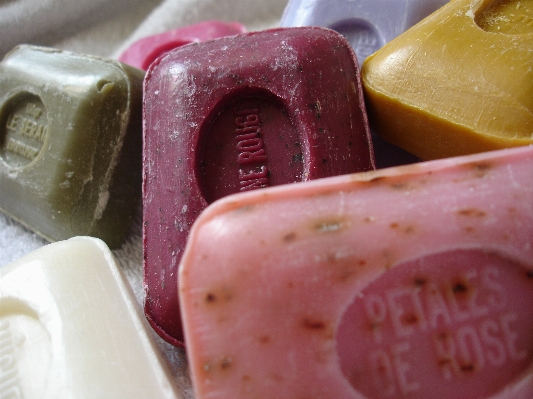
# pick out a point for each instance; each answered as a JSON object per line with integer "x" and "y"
{"x": 70, "y": 328}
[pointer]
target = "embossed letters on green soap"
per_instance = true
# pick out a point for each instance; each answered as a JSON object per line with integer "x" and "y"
{"x": 70, "y": 143}
{"x": 459, "y": 82}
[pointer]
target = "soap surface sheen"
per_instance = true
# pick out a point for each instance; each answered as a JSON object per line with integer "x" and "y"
{"x": 372, "y": 285}
{"x": 71, "y": 328}
{"x": 459, "y": 82}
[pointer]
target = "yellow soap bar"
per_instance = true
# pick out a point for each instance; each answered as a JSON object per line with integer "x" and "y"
{"x": 459, "y": 82}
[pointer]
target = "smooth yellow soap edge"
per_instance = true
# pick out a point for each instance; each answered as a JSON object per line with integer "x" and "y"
{"x": 430, "y": 137}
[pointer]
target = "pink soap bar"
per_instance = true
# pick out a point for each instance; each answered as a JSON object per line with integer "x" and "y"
{"x": 236, "y": 114}
{"x": 144, "y": 51}
{"x": 409, "y": 282}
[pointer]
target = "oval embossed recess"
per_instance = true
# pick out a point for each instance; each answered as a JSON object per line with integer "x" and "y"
{"x": 249, "y": 143}
{"x": 23, "y": 129}
{"x": 446, "y": 325}
{"x": 512, "y": 17}
{"x": 362, "y": 35}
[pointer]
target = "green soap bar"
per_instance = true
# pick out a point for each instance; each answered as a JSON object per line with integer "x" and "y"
{"x": 70, "y": 143}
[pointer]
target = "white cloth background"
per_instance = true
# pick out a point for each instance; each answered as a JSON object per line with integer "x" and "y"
{"x": 106, "y": 28}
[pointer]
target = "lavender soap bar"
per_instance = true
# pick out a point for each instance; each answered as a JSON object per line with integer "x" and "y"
{"x": 367, "y": 24}
{"x": 70, "y": 143}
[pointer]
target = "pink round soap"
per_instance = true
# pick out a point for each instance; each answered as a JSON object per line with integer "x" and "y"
{"x": 144, "y": 51}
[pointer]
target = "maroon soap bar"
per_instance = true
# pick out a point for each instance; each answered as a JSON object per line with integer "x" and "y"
{"x": 236, "y": 114}
{"x": 144, "y": 51}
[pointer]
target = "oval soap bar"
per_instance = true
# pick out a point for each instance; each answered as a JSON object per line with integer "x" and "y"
{"x": 70, "y": 143}
{"x": 236, "y": 114}
{"x": 144, "y": 51}
{"x": 460, "y": 82}
{"x": 409, "y": 282}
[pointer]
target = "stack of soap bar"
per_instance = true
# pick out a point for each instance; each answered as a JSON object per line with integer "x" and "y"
{"x": 144, "y": 51}
{"x": 410, "y": 282}
{"x": 367, "y": 24}
{"x": 70, "y": 327}
{"x": 460, "y": 82}
{"x": 236, "y": 114}
{"x": 70, "y": 143}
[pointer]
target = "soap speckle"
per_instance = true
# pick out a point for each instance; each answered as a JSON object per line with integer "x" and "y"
{"x": 345, "y": 274}
{"x": 400, "y": 186}
{"x": 388, "y": 258}
{"x": 409, "y": 319}
{"x": 313, "y": 324}
{"x": 471, "y": 212}
{"x": 289, "y": 237}
{"x": 420, "y": 281}
{"x": 223, "y": 365}
{"x": 329, "y": 226}
{"x": 226, "y": 363}
{"x": 65, "y": 184}
{"x": 216, "y": 296}
{"x": 461, "y": 288}
{"x": 264, "y": 339}
{"x": 444, "y": 362}
{"x": 467, "y": 368}
{"x": 244, "y": 209}
{"x": 409, "y": 229}
{"x": 102, "y": 204}
{"x": 480, "y": 169}
{"x": 377, "y": 180}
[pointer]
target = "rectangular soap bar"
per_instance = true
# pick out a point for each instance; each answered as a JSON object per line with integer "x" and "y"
{"x": 70, "y": 143}
{"x": 410, "y": 282}
{"x": 70, "y": 327}
{"x": 367, "y": 24}
{"x": 236, "y": 114}
{"x": 460, "y": 82}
